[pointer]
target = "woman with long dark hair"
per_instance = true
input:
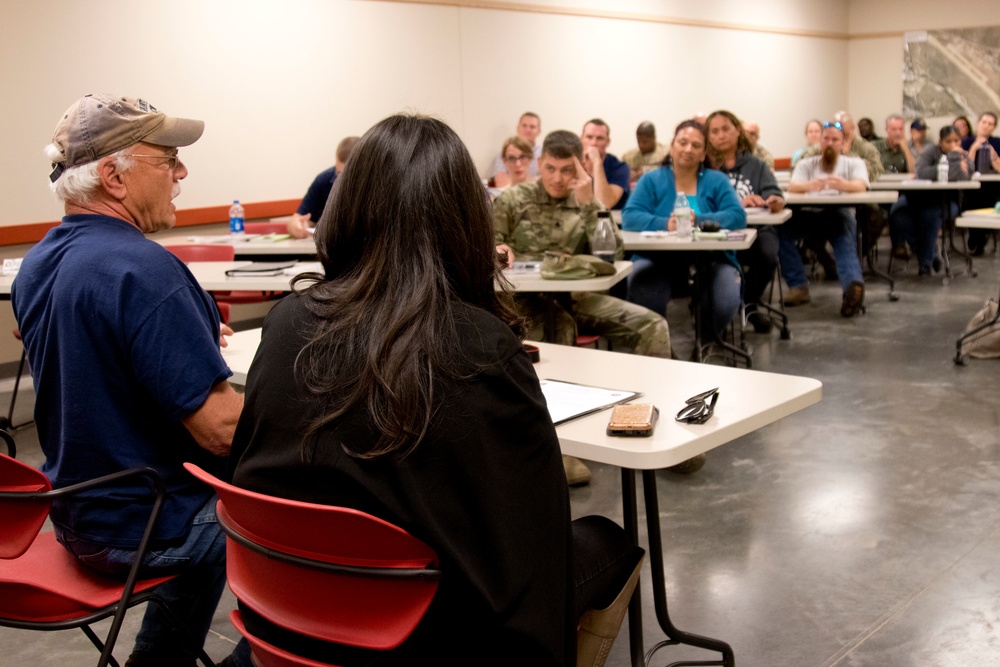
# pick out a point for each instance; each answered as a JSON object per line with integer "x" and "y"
{"x": 916, "y": 217}
{"x": 397, "y": 384}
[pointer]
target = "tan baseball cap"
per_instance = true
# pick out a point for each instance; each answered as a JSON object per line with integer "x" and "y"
{"x": 96, "y": 126}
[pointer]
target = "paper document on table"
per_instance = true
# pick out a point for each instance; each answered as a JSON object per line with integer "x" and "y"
{"x": 305, "y": 267}
{"x": 567, "y": 400}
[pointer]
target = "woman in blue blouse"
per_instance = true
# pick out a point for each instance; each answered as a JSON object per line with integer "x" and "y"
{"x": 659, "y": 275}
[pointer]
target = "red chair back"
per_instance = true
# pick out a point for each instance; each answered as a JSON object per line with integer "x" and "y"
{"x": 20, "y": 520}
{"x": 266, "y": 228}
{"x": 203, "y": 252}
{"x": 332, "y": 573}
{"x": 269, "y": 655}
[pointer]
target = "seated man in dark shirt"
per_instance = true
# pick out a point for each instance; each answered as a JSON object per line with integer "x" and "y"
{"x": 611, "y": 176}
{"x": 124, "y": 347}
{"x": 307, "y": 215}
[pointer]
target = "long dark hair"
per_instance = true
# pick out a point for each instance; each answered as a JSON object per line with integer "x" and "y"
{"x": 742, "y": 141}
{"x": 406, "y": 236}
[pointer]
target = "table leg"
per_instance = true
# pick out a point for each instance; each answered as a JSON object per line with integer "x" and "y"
{"x": 630, "y": 513}
{"x": 674, "y": 635}
{"x": 948, "y": 225}
{"x": 869, "y": 257}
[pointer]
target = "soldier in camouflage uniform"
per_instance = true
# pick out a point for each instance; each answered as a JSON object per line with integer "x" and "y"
{"x": 559, "y": 213}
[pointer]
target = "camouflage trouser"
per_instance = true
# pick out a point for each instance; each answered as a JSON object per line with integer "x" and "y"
{"x": 556, "y": 319}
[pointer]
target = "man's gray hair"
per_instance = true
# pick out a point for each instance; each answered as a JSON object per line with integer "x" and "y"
{"x": 894, "y": 116}
{"x": 77, "y": 184}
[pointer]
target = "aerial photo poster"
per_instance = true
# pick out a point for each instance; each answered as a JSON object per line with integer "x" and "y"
{"x": 947, "y": 73}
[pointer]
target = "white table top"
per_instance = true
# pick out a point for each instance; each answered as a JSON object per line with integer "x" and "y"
{"x": 987, "y": 178}
{"x": 924, "y": 185}
{"x": 248, "y": 246}
{"x": 669, "y": 241}
{"x": 979, "y": 221}
{"x": 895, "y": 178}
{"x": 212, "y": 277}
{"x": 748, "y": 400}
{"x": 842, "y": 199}
{"x": 757, "y": 217}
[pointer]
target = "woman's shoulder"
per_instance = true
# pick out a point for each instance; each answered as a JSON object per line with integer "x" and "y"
{"x": 482, "y": 338}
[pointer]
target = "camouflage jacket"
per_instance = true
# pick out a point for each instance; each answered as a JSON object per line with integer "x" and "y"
{"x": 531, "y": 221}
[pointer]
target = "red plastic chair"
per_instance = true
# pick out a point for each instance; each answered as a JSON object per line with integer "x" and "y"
{"x": 266, "y": 228}
{"x": 331, "y": 573}
{"x": 210, "y": 252}
{"x": 42, "y": 586}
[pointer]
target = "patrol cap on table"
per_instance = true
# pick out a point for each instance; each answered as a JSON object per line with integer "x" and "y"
{"x": 96, "y": 126}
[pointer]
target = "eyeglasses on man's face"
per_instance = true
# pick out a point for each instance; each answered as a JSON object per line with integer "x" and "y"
{"x": 171, "y": 159}
{"x": 514, "y": 159}
{"x": 700, "y": 408}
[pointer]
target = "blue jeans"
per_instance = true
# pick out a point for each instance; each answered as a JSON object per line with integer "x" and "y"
{"x": 654, "y": 280}
{"x": 917, "y": 220}
{"x": 835, "y": 224}
{"x": 200, "y": 563}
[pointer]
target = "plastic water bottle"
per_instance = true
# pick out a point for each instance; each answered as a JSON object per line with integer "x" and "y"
{"x": 682, "y": 211}
{"x": 942, "y": 173}
{"x": 603, "y": 244}
{"x": 236, "y": 219}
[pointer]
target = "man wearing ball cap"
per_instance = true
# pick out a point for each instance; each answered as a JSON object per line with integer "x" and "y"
{"x": 124, "y": 350}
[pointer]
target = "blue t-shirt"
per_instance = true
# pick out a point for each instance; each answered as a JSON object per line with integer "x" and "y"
{"x": 315, "y": 200}
{"x": 123, "y": 345}
{"x": 618, "y": 173}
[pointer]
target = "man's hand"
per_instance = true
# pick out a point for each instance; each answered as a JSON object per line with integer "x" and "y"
{"x": 835, "y": 183}
{"x": 298, "y": 226}
{"x": 582, "y": 185}
{"x": 775, "y": 203}
{"x": 504, "y": 248}
{"x": 224, "y": 331}
{"x": 753, "y": 201}
{"x": 591, "y": 157}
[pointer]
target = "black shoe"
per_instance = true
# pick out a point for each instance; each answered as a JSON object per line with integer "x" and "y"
{"x": 924, "y": 271}
{"x": 937, "y": 264}
{"x": 761, "y": 322}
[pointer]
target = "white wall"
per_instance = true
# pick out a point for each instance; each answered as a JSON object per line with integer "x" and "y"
{"x": 279, "y": 83}
{"x": 875, "y": 58}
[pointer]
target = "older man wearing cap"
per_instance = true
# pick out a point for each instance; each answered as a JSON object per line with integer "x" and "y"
{"x": 124, "y": 349}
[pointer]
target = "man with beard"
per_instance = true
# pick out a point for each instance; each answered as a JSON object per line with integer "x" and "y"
{"x": 831, "y": 170}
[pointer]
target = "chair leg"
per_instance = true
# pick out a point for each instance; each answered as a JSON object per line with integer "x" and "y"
{"x": 9, "y": 423}
{"x": 96, "y": 641}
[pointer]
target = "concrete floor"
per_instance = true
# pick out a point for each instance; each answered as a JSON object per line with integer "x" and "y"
{"x": 861, "y": 531}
